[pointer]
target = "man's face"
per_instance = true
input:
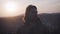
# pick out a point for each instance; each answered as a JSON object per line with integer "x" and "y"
{"x": 33, "y": 12}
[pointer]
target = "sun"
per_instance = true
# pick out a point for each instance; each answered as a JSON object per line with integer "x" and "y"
{"x": 10, "y": 8}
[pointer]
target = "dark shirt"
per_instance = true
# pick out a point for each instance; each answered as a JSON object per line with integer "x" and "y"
{"x": 33, "y": 27}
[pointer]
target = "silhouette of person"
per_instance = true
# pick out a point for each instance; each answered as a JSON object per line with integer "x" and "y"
{"x": 32, "y": 24}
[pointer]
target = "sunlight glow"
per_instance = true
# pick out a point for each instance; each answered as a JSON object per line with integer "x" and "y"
{"x": 10, "y": 8}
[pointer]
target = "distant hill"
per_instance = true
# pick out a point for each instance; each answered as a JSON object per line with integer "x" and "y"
{"x": 11, "y": 24}
{"x": 52, "y": 21}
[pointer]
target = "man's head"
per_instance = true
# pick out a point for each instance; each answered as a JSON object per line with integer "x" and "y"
{"x": 31, "y": 12}
{"x": 31, "y": 9}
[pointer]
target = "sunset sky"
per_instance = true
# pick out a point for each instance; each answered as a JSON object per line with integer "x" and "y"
{"x": 17, "y": 7}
